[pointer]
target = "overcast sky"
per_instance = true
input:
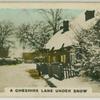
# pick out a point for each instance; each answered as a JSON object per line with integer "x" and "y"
{"x": 18, "y": 16}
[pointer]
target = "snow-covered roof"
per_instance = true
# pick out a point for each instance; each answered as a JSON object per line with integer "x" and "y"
{"x": 59, "y": 39}
{"x": 68, "y": 38}
{"x": 80, "y": 23}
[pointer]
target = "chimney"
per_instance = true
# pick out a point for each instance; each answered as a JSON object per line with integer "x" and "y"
{"x": 89, "y": 14}
{"x": 65, "y": 26}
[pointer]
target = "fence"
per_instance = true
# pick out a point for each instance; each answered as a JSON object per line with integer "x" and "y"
{"x": 68, "y": 73}
{"x": 58, "y": 71}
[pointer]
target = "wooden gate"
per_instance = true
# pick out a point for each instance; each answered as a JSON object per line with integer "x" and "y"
{"x": 61, "y": 71}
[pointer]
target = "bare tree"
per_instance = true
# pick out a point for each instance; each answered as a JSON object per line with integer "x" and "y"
{"x": 22, "y": 34}
{"x": 53, "y": 18}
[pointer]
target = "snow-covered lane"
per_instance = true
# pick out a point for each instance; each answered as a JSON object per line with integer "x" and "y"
{"x": 16, "y": 76}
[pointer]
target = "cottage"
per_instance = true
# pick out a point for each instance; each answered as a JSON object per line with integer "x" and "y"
{"x": 85, "y": 20}
{"x": 62, "y": 44}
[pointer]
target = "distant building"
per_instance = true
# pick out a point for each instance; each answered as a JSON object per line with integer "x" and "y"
{"x": 4, "y": 52}
{"x": 28, "y": 57}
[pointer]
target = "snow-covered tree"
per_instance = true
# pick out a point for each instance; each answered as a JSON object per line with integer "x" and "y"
{"x": 6, "y": 32}
{"x": 34, "y": 36}
{"x": 89, "y": 44}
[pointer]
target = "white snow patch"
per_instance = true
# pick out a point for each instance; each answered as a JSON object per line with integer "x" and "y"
{"x": 80, "y": 23}
{"x": 17, "y": 76}
{"x": 76, "y": 82}
{"x": 33, "y": 65}
{"x": 59, "y": 39}
{"x": 46, "y": 76}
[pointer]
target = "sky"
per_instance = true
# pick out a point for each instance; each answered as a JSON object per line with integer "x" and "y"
{"x": 19, "y": 16}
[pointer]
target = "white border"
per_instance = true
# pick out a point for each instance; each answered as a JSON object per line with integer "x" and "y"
{"x": 88, "y": 1}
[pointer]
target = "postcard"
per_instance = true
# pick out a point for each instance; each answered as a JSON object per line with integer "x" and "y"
{"x": 49, "y": 49}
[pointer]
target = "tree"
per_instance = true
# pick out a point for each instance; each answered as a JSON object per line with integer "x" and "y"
{"x": 6, "y": 32}
{"x": 89, "y": 44}
{"x": 34, "y": 36}
{"x": 41, "y": 35}
{"x": 37, "y": 35}
{"x": 22, "y": 34}
{"x": 53, "y": 18}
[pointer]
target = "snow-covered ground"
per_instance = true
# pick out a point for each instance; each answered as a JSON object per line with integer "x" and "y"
{"x": 16, "y": 76}
{"x": 76, "y": 82}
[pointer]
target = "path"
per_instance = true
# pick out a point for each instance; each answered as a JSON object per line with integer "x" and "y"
{"x": 16, "y": 76}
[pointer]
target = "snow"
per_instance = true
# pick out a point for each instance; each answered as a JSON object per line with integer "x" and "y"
{"x": 28, "y": 50}
{"x": 18, "y": 51}
{"x": 79, "y": 23}
{"x": 59, "y": 39}
{"x": 76, "y": 82}
{"x": 16, "y": 76}
{"x": 68, "y": 38}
